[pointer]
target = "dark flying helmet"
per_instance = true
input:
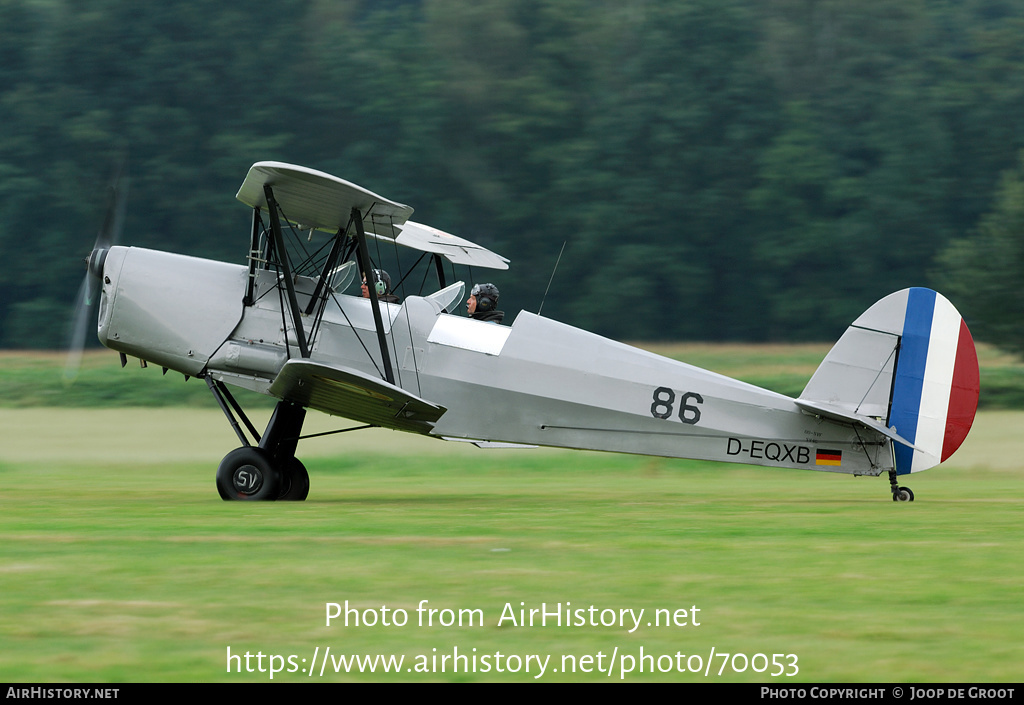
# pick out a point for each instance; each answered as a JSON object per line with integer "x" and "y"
{"x": 381, "y": 282}
{"x": 486, "y": 297}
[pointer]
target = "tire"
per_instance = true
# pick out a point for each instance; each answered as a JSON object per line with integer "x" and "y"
{"x": 294, "y": 482}
{"x": 903, "y": 494}
{"x": 248, "y": 474}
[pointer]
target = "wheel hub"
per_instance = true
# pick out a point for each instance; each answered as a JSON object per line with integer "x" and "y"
{"x": 247, "y": 479}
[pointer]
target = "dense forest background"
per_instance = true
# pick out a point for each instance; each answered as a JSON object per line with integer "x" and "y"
{"x": 717, "y": 169}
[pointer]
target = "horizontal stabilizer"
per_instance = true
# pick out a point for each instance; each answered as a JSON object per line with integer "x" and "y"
{"x": 346, "y": 392}
{"x": 838, "y": 414}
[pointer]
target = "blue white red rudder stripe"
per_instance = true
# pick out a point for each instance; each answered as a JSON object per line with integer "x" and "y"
{"x": 936, "y": 384}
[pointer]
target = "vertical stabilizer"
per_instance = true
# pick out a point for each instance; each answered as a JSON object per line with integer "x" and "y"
{"x": 908, "y": 360}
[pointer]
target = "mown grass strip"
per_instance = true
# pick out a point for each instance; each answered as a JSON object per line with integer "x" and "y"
{"x": 35, "y": 379}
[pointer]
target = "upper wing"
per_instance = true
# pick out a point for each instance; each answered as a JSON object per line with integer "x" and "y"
{"x": 346, "y": 392}
{"x": 426, "y": 238}
{"x": 314, "y": 199}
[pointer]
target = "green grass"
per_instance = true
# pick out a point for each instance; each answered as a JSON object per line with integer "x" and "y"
{"x": 35, "y": 379}
{"x": 119, "y": 562}
{"x": 787, "y": 368}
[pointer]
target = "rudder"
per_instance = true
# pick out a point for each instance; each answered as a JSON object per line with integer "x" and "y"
{"x": 937, "y": 382}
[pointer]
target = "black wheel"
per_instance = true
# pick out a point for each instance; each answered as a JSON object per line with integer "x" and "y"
{"x": 294, "y": 482}
{"x": 903, "y": 494}
{"x": 247, "y": 473}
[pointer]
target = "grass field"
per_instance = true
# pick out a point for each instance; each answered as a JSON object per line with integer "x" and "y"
{"x": 35, "y": 379}
{"x": 118, "y": 562}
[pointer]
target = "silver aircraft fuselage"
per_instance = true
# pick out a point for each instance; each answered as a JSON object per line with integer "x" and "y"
{"x": 535, "y": 382}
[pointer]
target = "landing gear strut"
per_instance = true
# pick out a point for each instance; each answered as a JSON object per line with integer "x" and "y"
{"x": 899, "y": 494}
{"x": 270, "y": 470}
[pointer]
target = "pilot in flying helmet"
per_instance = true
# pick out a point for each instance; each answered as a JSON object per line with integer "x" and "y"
{"x": 381, "y": 286}
{"x": 483, "y": 302}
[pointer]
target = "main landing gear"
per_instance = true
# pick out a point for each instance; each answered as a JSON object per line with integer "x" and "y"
{"x": 251, "y": 473}
{"x": 269, "y": 470}
{"x": 899, "y": 494}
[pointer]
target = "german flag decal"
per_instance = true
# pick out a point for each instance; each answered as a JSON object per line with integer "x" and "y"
{"x": 828, "y": 457}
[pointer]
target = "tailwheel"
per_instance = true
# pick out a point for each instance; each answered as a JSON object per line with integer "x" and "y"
{"x": 247, "y": 473}
{"x": 903, "y": 494}
{"x": 294, "y": 481}
{"x": 899, "y": 494}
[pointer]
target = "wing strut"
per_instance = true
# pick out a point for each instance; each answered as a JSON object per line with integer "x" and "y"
{"x": 254, "y": 258}
{"x": 363, "y": 256}
{"x": 332, "y": 259}
{"x": 286, "y": 270}
{"x": 440, "y": 269}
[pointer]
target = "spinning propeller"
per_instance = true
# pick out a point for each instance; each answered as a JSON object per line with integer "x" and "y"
{"x": 84, "y": 315}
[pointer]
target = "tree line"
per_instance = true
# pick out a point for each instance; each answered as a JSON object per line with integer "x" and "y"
{"x": 716, "y": 169}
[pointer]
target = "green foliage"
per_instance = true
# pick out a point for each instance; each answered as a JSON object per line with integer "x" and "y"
{"x": 985, "y": 271}
{"x": 730, "y": 170}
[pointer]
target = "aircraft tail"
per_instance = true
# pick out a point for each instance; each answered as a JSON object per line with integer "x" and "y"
{"x": 908, "y": 362}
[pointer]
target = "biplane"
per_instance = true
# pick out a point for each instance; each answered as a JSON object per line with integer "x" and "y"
{"x": 897, "y": 394}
